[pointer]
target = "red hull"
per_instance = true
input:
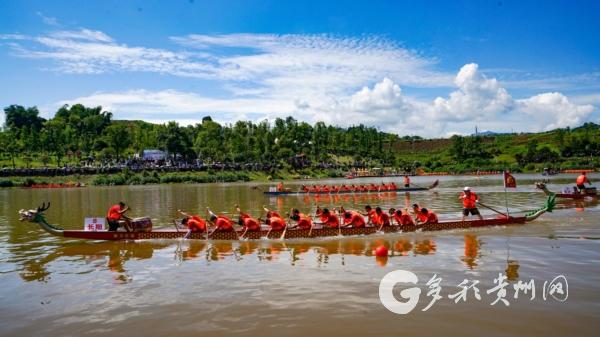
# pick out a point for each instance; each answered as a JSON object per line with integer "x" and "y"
{"x": 290, "y": 234}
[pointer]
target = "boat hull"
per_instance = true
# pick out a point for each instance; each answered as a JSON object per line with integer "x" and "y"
{"x": 291, "y": 234}
{"x": 410, "y": 189}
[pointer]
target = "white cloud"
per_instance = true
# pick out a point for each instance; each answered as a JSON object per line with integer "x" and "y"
{"x": 48, "y": 19}
{"x": 554, "y": 110}
{"x": 338, "y": 80}
{"x": 477, "y": 100}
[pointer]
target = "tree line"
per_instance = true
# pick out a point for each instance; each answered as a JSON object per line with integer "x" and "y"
{"x": 87, "y": 132}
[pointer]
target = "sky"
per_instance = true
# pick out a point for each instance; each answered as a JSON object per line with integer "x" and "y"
{"x": 428, "y": 68}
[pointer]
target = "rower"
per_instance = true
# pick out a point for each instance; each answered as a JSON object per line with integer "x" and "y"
{"x": 247, "y": 221}
{"x": 370, "y": 213}
{"x": 426, "y": 217}
{"x": 221, "y": 222}
{"x": 381, "y": 218}
{"x": 280, "y": 187}
{"x": 402, "y": 218}
{"x": 327, "y": 218}
{"x": 581, "y": 180}
{"x": 406, "y": 181}
{"x": 470, "y": 200}
{"x": 302, "y": 221}
{"x": 305, "y": 188}
{"x": 354, "y": 219}
{"x": 416, "y": 209}
{"x": 271, "y": 213}
{"x": 115, "y": 214}
{"x": 194, "y": 223}
{"x": 393, "y": 186}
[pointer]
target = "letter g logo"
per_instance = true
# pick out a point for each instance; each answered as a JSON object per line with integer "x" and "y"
{"x": 386, "y": 291}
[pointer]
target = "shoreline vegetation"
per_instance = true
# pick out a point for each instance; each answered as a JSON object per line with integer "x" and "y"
{"x": 85, "y": 145}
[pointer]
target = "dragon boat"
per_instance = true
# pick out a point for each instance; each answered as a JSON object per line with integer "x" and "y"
{"x": 274, "y": 192}
{"x": 37, "y": 216}
{"x": 570, "y": 193}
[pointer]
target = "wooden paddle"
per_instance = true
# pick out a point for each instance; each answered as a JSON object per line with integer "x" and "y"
{"x": 287, "y": 215}
{"x": 488, "y": 207}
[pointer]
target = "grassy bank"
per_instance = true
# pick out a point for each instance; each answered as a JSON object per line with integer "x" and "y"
{"x": 146, "y": 177}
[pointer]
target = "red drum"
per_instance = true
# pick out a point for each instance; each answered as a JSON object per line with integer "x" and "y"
{"x": 141, "y": 224}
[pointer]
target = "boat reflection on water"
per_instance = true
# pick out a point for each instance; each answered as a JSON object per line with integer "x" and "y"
{"x": 579, "y": 204}
{"x": 114, "y": 256}
{"x": 472, "y": 247}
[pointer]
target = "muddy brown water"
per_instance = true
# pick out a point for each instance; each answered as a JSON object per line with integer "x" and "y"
{"x": 51, "y": 286}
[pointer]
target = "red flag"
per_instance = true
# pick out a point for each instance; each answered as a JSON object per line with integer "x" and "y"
{"x": 509, "y": 180}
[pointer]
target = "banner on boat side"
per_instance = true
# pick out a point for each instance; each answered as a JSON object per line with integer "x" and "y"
{"x": 93, "y": 224}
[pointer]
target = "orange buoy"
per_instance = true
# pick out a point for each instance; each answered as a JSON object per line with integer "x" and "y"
{"x": 381, "y": 251}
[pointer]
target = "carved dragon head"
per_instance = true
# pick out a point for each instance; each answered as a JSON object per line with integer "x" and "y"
{"x": 34, "y": 215}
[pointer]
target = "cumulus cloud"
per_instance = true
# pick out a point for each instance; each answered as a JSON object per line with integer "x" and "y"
{"x": 478, "y": 99}
{"x": 554, "y": 110}
{"x": 339, "y": 80}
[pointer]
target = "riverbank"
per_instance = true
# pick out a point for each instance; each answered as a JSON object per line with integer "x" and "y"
{"x": 153, "y": 177}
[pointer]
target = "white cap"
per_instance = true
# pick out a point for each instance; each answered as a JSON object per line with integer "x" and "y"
{"x": 467, "y": 188}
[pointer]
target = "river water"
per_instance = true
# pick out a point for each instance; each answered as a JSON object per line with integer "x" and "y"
{"x": 51, "y": 286}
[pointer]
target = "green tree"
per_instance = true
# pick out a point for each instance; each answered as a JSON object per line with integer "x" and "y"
{"x": 54, "y": 139}
{"x": 118, "y": 137}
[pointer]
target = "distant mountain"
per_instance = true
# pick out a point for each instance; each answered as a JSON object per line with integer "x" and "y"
{"x": 488, "y": 133}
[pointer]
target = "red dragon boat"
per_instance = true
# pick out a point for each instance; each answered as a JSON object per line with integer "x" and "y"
{"x": 37, "y": 216}
{"x": 275, "y": 192}
{"x": 569, "y": 193}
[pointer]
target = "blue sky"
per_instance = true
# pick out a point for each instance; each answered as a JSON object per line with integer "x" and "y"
{"x": 431, "y": 68}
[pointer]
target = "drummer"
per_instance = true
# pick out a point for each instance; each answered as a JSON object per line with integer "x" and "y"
{"x": 115, "y": 215}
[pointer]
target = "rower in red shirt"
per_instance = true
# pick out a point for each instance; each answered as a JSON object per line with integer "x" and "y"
{"x": 115, "y": 214}
{"x": 328, "y": 218}
{"x": 393, "y": 186}
{"x": 426, "y": 217}
{"x": 381, "y": 218}
{"x": 354, "y": 219}
{"x": 325, "y": 189}
{"x": 271, "y": 213}
{"x": 247, "y": 221}
{"x": 221, "y": 222}
{"x": 469, "y": 200}
{"x": 305, "y": 188}
{"x": 369, "y": 213}
{"x": 302, "y": 221}
{"x": 194, "y": 223}
{"x": 416, "y": 210}
{"x": 581, "y": 180}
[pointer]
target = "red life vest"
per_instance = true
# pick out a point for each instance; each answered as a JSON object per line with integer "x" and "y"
{"x": 223, "y": 223}
{"x": 469, "y": 201}
{"x": 276, "y": 223}
{"x": 196, "y": 226}
{"x": 330, "y": 220}
{"x": 249, "y": 222}
{"x": 582, "y": 179}
{"x": 432, "y": 218}
{"x": 356, "y": 219}
{"x": 406, "y": 220}
{"x": 381, "y": 219}
{"x": 304, "y": 222}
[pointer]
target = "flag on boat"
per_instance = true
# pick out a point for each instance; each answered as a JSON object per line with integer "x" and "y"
{"x": 509, "y": 180}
